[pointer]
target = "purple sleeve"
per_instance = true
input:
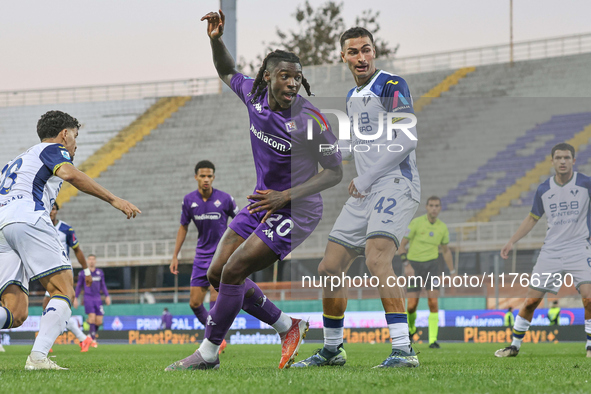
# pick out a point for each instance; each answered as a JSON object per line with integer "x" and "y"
{"x": 325, "y": 145}
{"x": 80, "y": 283}
{"x": 242, "y": 85}
{"x": 104, "y": 285}
{"x": 185, "y": 214}
{"x": 232, "y": 208}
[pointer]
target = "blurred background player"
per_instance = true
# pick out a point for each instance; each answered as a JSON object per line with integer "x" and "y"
{"x": 425, "y": 235}
{"x": 93, "y": 305}
{"x": 29, "y": 245}
{"x": 210, "y": 210}
{"x": 166, "y": 320}
{"x": 554, "y": 314}
{"x": 270, "y": 227}
{"x": 566, "y": 247}
{"x": 509, "y": 318}
{"x": 67, "y": 237}
{"x": 384, "y": 198}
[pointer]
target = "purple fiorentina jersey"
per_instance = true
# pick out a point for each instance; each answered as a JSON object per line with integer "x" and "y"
{"x": 283, "y": 155}
{"x": 210, "y": 217}
{"x": 98, "y": 285}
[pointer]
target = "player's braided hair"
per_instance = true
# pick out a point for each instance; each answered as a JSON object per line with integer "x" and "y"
{"x": 260, "y": 85}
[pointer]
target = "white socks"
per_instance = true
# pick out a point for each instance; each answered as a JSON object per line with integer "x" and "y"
{"x": 519, "y": 329}
{"x": 333, "y": 337}
{"x": 588, "y": 331}
{"x": 53, "y": 323}
{"x": 283, "y": 323}
{"x": 72, "y": 326}
{"x": 399, "y": 336}
{"x": 4, "y": 317}
{"x": 209, "y": 351}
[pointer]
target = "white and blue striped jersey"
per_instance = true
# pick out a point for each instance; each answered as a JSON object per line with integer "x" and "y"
{"x": 28, "y": 186}
{"x": 67, "y": 236}
{"x": 384, "y": 93}
{"x": 567, "y": 211}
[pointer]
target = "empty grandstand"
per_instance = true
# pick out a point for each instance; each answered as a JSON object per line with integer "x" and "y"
{"x": 483, "y": 134}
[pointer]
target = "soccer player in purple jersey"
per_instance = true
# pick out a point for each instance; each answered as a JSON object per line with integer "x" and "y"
{"x": 286, "y": 205}
{"x": 93, "y": 305}
{"x": 209, "y": 209}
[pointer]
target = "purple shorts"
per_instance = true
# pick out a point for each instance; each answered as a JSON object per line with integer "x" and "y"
{"x": 199, "y": 274}
{"x": 281, "y": 232}
{"x": 95, "y": 306}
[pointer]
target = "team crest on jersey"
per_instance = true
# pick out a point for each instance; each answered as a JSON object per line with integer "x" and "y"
{"x": 291, "y": 126}
{"x": 217, "y": 203}
{"x": 194, "y": 205}
{"x": 366, "y": 100}
{"x": 66, "y": 154}
{"x": 574, "y": 192}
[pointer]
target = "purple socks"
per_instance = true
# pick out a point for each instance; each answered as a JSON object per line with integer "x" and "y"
{"x": 221, "y": 318}
{"x": 258, "y": 305}
{"x": 201, "y": 313}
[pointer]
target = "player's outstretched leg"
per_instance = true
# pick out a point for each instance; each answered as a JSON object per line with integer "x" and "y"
{"x": 53, "y": 323}
{"x": 333, "y": 352}
{"x": 194, "y": 362}
{"x": 519, "y": 329}
{"x": 522, "y": 323}
{"x": 403, "y": 355}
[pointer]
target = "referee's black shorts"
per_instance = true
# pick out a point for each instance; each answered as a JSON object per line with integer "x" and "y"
{"x": 425, "y": 270}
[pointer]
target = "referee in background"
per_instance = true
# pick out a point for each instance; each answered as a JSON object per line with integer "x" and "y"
{"x": 425, "y": 234}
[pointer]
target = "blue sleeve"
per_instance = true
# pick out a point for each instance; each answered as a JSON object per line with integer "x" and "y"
{"x": 242, "y": 85}
{"x": 396, "y": 96}
{"x": 54, "y": 156}
{"x": 71, "y": 239}
{"x": 537, "y": 210}
{"x": 584, "y": 181}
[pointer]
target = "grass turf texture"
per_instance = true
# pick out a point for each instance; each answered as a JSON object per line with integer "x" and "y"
{"x": 459, "y": 367}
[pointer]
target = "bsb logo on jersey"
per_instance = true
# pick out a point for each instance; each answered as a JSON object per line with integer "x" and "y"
{"x": 66, "y": 155}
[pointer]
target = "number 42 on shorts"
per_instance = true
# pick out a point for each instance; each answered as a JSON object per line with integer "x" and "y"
{"x": 390, "y": 202}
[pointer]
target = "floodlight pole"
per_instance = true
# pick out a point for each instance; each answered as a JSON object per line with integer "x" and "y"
{"x": 229, "y": 9}
{"x": 511, "y": 32}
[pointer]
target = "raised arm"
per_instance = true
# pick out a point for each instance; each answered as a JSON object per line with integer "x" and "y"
{"x": 222, "y": 60}
{"x": 86, "y": 184}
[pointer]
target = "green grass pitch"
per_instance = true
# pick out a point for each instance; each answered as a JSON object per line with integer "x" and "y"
{"x": 455, "y": 368}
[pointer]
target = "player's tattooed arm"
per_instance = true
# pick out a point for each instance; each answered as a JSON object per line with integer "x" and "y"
{"x": 222, "y": 60}
{"x": 271, "y": 200}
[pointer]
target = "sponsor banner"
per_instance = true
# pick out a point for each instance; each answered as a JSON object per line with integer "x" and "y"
{"x": 496, "y": 318}
{"x": 189, "y": 322}
{"x": 32, "y": 324}
{"x": 375, "y": 319}
{"x": 351, "y": 335}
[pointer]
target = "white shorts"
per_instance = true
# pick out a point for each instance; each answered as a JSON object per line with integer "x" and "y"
{"x": 551, "y": 268}
{"x": 12, "y": 272}
{"x": 384, "y": 213}
{"x": 30, "y": 252}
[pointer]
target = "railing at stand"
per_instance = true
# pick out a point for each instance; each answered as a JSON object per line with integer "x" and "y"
{"x": 324, "y": 74}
